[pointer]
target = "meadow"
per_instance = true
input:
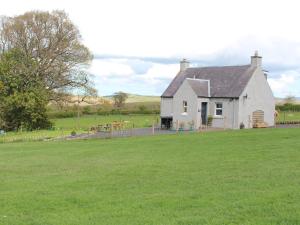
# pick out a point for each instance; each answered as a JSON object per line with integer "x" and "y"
{"x": 87, "y": 121}
{"x": 64, "y": 126}
{"x": 230, "y": 177}
{"x": 288, "y": 116}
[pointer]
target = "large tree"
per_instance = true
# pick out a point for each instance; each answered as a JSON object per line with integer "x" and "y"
{"x": 42, "y": 58}
{"x": 53, "y": 42}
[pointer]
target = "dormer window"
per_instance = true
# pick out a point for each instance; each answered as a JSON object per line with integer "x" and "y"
{"x": 219, "y": 109}
{"x": 184, "y": 106}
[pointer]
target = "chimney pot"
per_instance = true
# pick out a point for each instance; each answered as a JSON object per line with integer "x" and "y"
{"x": 184, "y": 64}
{"x": 256, "y": 60}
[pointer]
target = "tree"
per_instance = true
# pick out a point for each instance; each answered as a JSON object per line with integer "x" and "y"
{"x": 41, "y": 59}
{"x": 290, "y": 99}
{"x": 53, "y": 42}
{"x": 22, "y": 95}
{"x": 119, "y": 98}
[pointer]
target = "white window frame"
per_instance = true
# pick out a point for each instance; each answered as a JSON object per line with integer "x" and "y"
{"x": 185, "y": 106}
{"x": 219, "y": 108}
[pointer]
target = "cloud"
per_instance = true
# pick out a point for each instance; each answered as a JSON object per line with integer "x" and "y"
{"x": 286, "y": 84}
{"x": 131, "y": 75}
{"x": 138, "y": 45}
{"x": 160, "y": 60}
{"x": 152, "y": 75}
{"x": 110, "y": 69}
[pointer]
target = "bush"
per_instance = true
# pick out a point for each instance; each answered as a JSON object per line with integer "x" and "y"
{"x": 209, "y": 120}
{"x": 87, "y": 110}
{"x": 142, "y": 108}
{"x": 24, "y": 110}
{"x": 103, "y": 109}
{"x": 288, "y": 107}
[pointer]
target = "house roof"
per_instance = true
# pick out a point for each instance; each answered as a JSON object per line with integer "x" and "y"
{"x": 199, "y": 86}
{"x": 225, "y": 81}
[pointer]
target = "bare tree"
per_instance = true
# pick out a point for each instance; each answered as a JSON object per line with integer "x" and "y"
{"x": 54, "y": 43}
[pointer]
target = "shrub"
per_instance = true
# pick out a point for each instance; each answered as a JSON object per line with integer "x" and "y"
{"x": 288, "y": 107}
{"x": 209, "y": 120}
{"x": 87, "y": 110}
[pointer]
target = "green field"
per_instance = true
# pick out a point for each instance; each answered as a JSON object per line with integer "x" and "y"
{"x": 85, "y": 122}
{"x": 64, "y": 126}
{"x": 234, "y": 177}
{"x": 288, "y": 116}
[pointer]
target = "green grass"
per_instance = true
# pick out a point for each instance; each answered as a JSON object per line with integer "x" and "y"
{"x": 235, "y": 177}
{"x": 65, "y": 126}
{"x": 85, "y": 122}
{"x": 288, "y": 116}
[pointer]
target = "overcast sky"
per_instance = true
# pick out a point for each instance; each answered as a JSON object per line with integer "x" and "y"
{"x": 137, "y": 44}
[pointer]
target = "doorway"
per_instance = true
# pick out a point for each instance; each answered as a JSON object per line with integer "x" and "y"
{"x": 204, "y": 113}
{"x": 166, "y": 122}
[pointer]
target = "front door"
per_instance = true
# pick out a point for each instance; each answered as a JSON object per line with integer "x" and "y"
{"x": 204, "y": 113}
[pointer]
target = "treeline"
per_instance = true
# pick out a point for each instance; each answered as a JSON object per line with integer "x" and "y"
{"x": 129, "y": 108}
{"x": 288, "y": 107}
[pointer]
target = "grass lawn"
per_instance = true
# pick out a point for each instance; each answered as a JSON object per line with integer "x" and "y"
{"x": 288, "y": 116}
{"x": 235, "y": 177}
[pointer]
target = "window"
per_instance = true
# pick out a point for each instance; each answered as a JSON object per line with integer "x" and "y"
{"x": 185, "y": 106}
{"x": 219, "y": 109}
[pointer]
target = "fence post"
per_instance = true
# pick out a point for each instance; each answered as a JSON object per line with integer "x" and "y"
{"x": 111, "y": 130}
{"x": 153, "y": 128}
{"x": 131, "y": 130}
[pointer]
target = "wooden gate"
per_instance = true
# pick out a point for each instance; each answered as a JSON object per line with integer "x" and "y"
{"x": 258, "y": 118}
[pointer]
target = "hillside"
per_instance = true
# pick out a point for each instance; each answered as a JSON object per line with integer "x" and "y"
{"x": 281, "y": 100}
{"x": 137, "y": 98}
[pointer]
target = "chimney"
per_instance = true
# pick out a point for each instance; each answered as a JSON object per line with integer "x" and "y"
{"x": 184, "y": 64}
{"x": 256, "y": 60}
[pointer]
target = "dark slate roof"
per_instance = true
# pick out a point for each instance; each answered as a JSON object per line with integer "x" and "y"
{"x": 225, "y": 82}
{"x": 200, "y": 87}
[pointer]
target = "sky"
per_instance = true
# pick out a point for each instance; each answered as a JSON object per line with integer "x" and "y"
{"x": 137, "y": 44}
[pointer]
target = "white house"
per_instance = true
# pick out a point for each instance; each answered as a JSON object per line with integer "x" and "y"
{"x": 232, "y": 96}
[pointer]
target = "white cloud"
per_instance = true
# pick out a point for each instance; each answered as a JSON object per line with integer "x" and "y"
{"x": 286, "y": 84}
{"x": 162, "y": 71}
{"x": 116, "y": 74}
{"x": 110, "y": 68}
{"x": 170, "y": 27}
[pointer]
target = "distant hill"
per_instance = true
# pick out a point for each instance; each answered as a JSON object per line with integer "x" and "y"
{"x": 281, "y": 100}
{"x": 137, "y": 98}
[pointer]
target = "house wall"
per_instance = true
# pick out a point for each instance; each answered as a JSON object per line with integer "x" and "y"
{"x": 185, "y": 93}
{"x": 166, "y": 107}
{"x": 259, "y": 97}
{"x": 229, "y": 119}
{"x": 173, "y": 107}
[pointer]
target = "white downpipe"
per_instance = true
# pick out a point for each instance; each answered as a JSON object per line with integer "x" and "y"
{"x": 233, "y": 114}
